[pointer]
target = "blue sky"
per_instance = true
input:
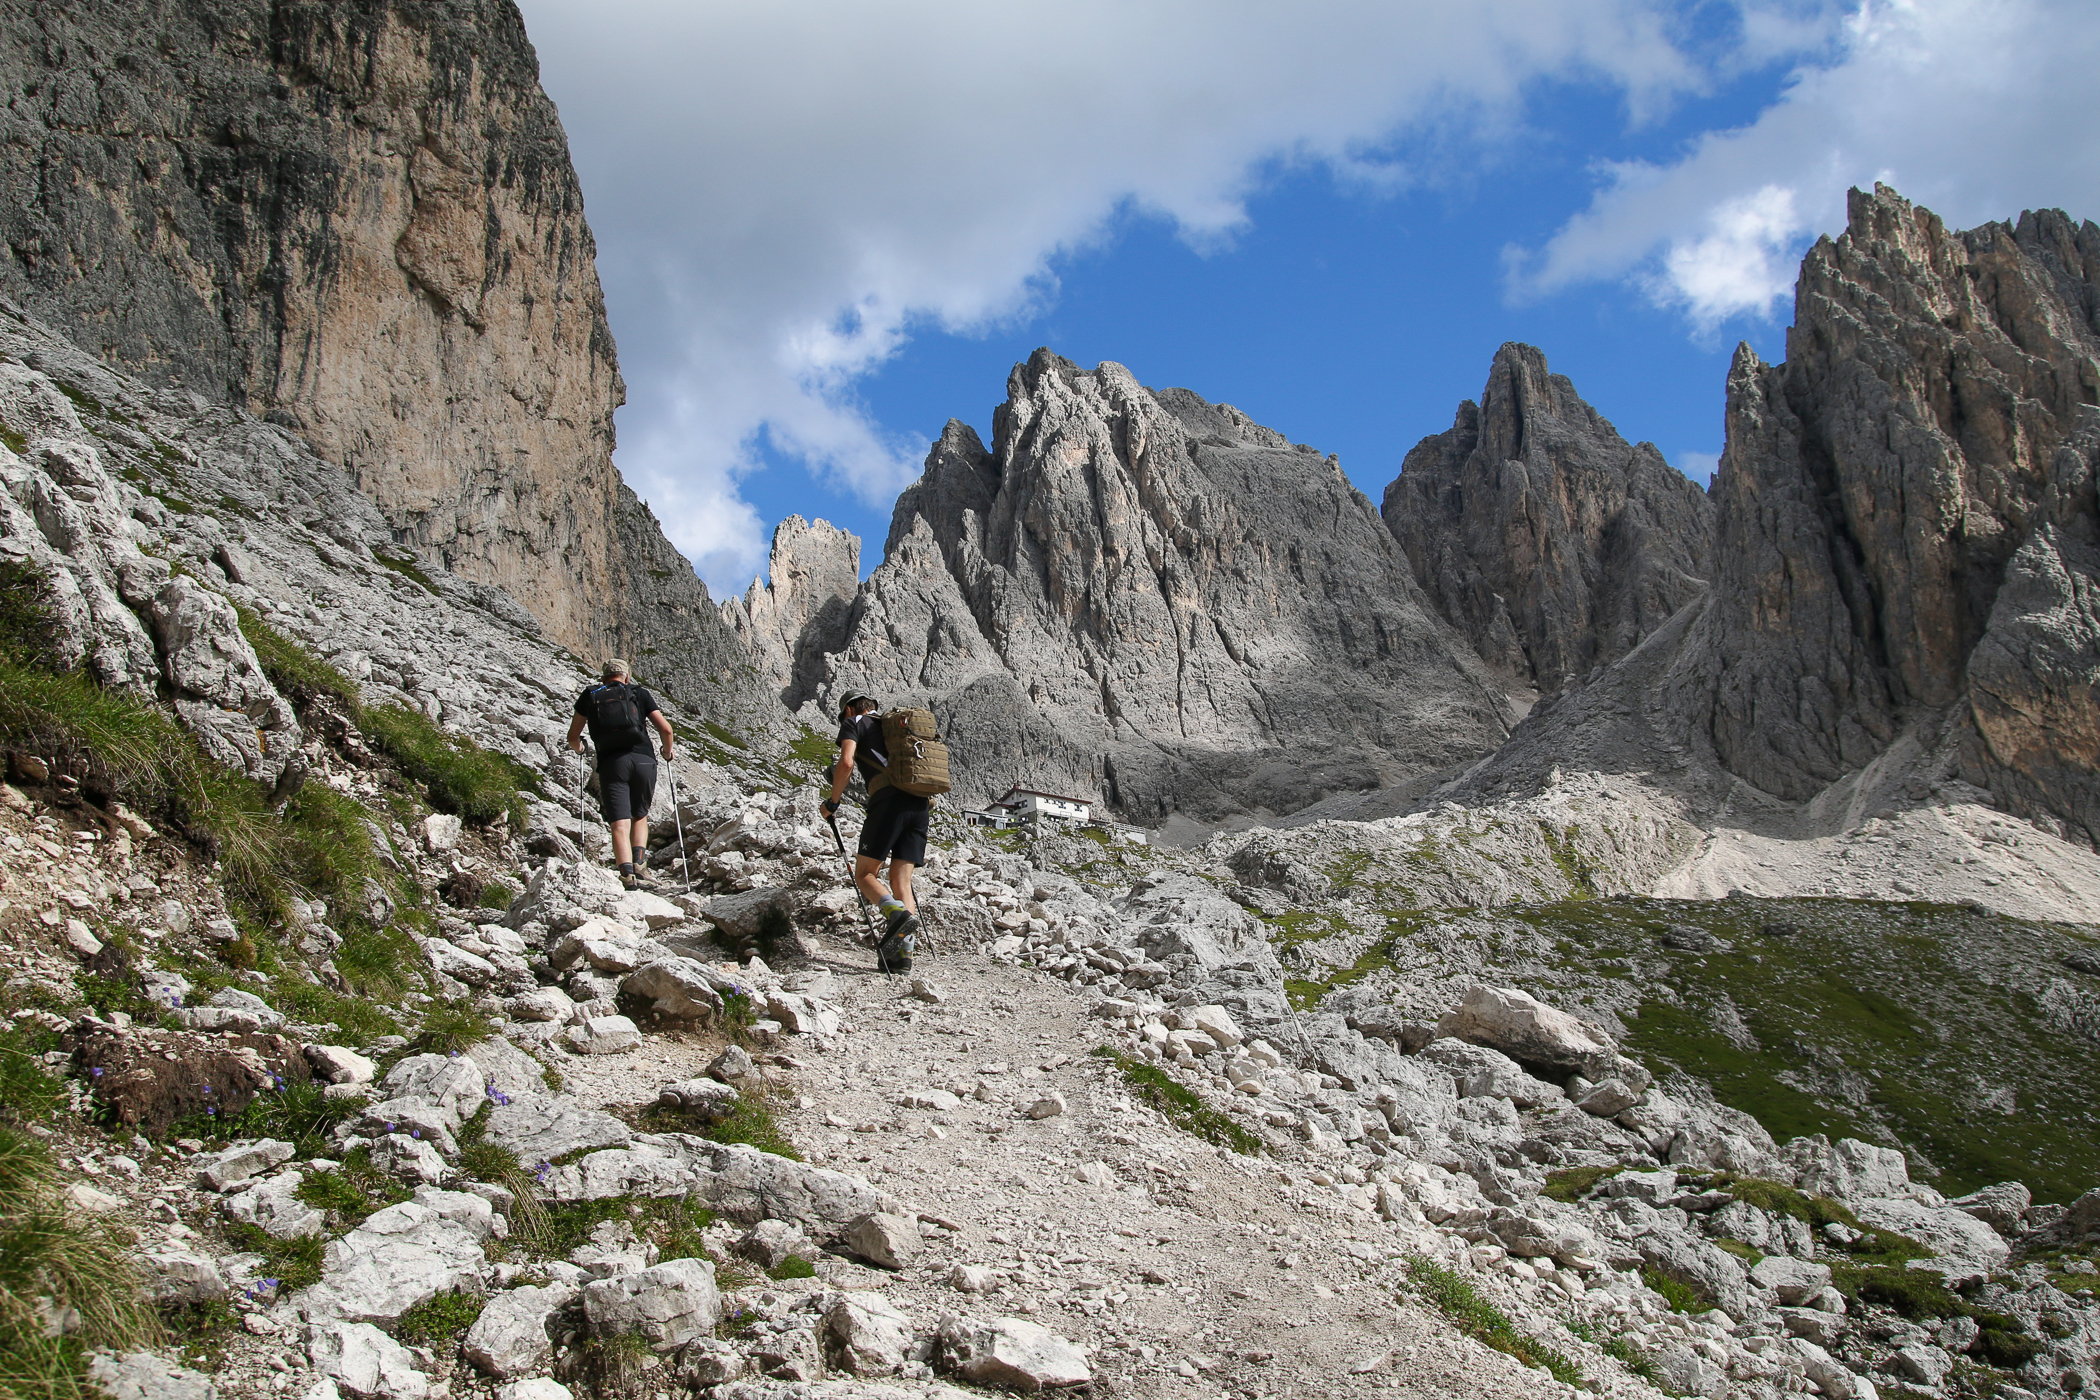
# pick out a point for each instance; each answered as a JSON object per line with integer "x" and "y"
{"x": 825, "y": 227}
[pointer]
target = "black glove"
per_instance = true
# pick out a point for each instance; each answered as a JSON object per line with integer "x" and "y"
{"x": 829, "y": 806}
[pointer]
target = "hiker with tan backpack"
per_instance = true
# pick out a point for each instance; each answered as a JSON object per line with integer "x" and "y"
{"x": 906, "y": 766}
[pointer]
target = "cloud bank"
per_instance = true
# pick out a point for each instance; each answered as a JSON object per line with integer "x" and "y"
{"x": 1975, "y": 108}
{"x": 783, "y": 192}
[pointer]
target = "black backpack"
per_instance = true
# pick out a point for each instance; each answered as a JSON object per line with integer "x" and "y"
{"x": 615, "y": 718}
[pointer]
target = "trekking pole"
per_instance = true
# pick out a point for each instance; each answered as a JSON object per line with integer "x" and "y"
{"x": 873, "y": 931}
{"x": 685, "y": 857}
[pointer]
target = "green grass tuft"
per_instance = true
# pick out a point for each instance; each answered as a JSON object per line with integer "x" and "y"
{"x": 459, "y": 775}
{"x": 299, "y": 675}
{"x": 794, "y": 1266}
{"x": 1482, "y": 1321}
{"x": 450, "y": 1026}
{"x": 444, "y": 1318}
{"x": 750, "y": 1121}
{"x": 1180, "y": 1105}
{"x": 48, "y": 1252}
{"x": 1570, "y": 1184}
{"x": 293, "y": 1263}
{"x": 1682, "y": 1296}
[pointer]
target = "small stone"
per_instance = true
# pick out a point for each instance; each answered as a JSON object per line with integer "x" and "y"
{"x": 971, "y": 1278}
{"x": 1794, "y": 1280}
{"x": 339, "y": 1065}
{"x": 239, "y": 1162}
{"x": 1048, "y": 1106}
{"x": 82, "y": 1196}
{"x": 1215, "y": 1022}
{"x": 511, "y": 1335}
{"x": 537, "y": 1388}
{"x": 140, "y": 1375}
{"x": 81, "y": 939}
{"x": 540, "y": 1004}
{"x": 1608, "y": 1099}
{"x": 441, "y": 833}
{"x": 710, "y": 1097}
{"x": 732, "y": 1066}
{"x": 366, "y": 1362}
{"x": 604, "y": 1035}
{"x": 867, "y": 1334}
{"x": 886, "y": 1240}
{"x": 926, "y": 991}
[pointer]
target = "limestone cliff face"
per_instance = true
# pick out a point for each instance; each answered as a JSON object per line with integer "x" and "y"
{"x": 803, "y": 608}
{"x": 1151, "y": 598}
{"x": 360, "y": 221}
{"x": 1541, "y": 534}
{"x": 1907, "y": 510}
{"x": 1906, "y": 567}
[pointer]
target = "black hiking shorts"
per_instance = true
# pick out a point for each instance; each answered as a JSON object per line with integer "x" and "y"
{"x": 626, "y": 785}
{"x": 896, "y": 827}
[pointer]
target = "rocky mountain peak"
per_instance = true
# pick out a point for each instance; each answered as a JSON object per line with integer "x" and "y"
{"x": 1150, "y": 598}
{"x": 791, "y": 618}
{"x": 1541, "y": 534}
{"x": 1907, "y": 517}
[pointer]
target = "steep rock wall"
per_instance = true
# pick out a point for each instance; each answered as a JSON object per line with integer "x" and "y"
{"x": 1906, "y": 587}
{"x": 359, "y": 220}
{"x": 1550, "y": 541}
{"x": 1151, "y": 598}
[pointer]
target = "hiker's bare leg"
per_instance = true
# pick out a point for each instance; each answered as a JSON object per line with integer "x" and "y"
{"x": 864, "y": 868}
{"x": 641, "y": 834}
{"x": 900, "y": 881}
{"x": 622, "y": 851}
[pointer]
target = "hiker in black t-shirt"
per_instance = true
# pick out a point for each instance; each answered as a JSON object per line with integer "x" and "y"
{"x": 895, "y": 829}
{"x": 618, "y": 713}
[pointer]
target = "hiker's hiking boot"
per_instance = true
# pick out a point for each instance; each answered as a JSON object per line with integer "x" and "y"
{"x": 899, "y": 938}
{"x": 629, "y": 880}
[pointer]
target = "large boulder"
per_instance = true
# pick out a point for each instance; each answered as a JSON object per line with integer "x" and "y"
{"x": 540, "y": 1127}
{"x": 746, "y": 1185}
{"x": 401, "y": 1256}
{"x": 1527, "y": 1030}
{"x": 1012, "y": 1353}
{"x": 667, "y": 1306}
{"x": 1848, "y": 1170}
{"x": 1965, "y": 1246}
{"x": 512, "y": 1335}
{"x": 683, "y": 988}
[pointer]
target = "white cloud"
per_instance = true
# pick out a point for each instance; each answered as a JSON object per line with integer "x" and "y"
{"x": 782, "y": 192}
{"x": 1699, "y": 466}
{"x": 1976, "y": 109}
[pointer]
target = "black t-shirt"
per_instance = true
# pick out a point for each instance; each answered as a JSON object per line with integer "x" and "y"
{"x": 868, "y": 754}
{"x": 644, "y": 704}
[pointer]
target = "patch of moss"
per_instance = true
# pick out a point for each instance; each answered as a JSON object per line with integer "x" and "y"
{"x": 1180, "y": 1105}
{"x": 444, "y": 1318}
{"x": 1571, "y": 1184}
{"x": 812, "y": 751}
{"x": 751, "y": 1121}
{"x": 405, "y": 565}
{"x": 1485, "y": 1323}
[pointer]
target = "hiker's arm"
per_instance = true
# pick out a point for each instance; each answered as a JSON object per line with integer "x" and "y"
{"x": 663, "y": 727}
{"x": 576, "y": 733}
{"x": 842, "y": 774}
